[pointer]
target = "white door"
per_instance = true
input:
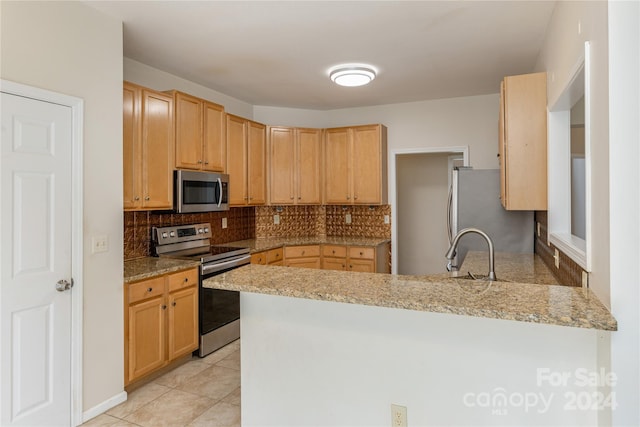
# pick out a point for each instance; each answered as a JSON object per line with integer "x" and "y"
{"x": 35, "y": 252}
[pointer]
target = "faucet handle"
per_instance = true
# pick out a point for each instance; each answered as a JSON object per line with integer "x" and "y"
{"x": 451, "y": 267}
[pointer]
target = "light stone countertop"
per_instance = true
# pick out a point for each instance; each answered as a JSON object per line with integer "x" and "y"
{"x": 148, "y": 267}
{"x": 525, "y": 302}
{"x": 259, "y": 245}
{"x": 512, "y": 267}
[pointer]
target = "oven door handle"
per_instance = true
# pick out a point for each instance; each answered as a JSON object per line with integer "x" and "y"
{"x": 236, "y": 262}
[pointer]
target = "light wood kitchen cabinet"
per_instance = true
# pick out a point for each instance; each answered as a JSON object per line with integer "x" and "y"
{"x": 368, "y": 259}
{"x": 295, "y": 156}
{"x": 270, "y": 257}
{"x": 161, "y": 322}
{"x": 200, "y": 134}
{"x": 355, "y": 170}
{"x": 148, "y": 149}
{"x": 307, "y": 256}
{"x": 522, "y": 142}
{"x": 246, "y": 161}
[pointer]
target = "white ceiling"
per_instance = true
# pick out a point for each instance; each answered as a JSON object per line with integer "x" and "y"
{"x": 277, "y": 53}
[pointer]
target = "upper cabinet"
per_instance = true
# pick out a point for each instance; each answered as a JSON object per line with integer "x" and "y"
{"x": 522, "y": 147}
{"x": 246, "y": 161}
{"x": 355, "y": 165}
{"x": 295, "y": 156}
{"x": 200, "y": 134}
{"x": 148, "y": 148}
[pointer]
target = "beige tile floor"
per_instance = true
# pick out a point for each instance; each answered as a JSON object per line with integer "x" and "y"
{"x": 202, "y": 392}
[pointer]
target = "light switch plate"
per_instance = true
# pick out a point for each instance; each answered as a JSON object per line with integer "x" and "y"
{"x": 99, "y": 244}
{"x": 276, "y": 219}
{"x": 347, "y": 218}
{"x": 224, "y": 222}
{"x": 387, "y": 220}
{"x": 556, "y": 257}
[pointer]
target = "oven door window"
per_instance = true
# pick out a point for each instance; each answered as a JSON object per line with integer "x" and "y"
{"x": 217, "y": 308}
{"x": 200, "y": 192}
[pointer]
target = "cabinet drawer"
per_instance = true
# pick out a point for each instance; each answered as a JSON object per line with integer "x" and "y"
{"x": 306, "y": 262}
{"x": 183, "y": 279}
{"x": 302, "y": 251}
{"x": 147, "y": 289}
{"x": 334, "y": 251}
{"x": 360, "y": 252}
{"x": 274, "y": 255}
{"x": 259, "y": 258}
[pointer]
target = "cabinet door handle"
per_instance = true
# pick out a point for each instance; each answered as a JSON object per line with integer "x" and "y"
{"x": 291, "y": 197}
{"x": 355, "y": 198}
{"x": 302, "y": 252}
{"x": 199, "y": 162}
{"x": 136, "y": 198}
{"x": 164, "y": 307}
{"x": 333, "y": 252}
{"x": 348, "y": 198}
{"x": 361, "y": 253}
{"x": 186, "y": 279}
{"x": 206, "y": 162}
{"x": 147, "y": 198}
{"x": 150, "y": 290}
{"x": 174, "y": 304}
{"x": 351, "y": 267}
{"x": 299, "y": 197}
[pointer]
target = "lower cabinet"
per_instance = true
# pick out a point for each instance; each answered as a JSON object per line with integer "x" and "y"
{"x": 161, "y": 322}
{"x": 302, "y": 256}
{"x": 270, "y": 257}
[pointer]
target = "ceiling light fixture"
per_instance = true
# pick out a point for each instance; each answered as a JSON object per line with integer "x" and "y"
{"x": 352, "y": 74}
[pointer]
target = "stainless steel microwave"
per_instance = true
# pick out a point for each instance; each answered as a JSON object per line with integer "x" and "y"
{"x": 200, "y": 191}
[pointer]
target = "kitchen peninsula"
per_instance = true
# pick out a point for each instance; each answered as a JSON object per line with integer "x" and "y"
{"x": 337, "y": 348}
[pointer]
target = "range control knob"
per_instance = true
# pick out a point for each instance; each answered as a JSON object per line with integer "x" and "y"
{"x": 164, "y": 235}
{"x": 200, "y": 230}
{"x": 206, "y": 229}
{"x": 172, "y": 234}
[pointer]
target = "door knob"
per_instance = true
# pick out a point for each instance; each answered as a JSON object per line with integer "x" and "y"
{"x": 64, "y": 285}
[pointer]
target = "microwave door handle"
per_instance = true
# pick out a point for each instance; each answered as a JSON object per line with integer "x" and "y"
{"x": 220, "y": 187}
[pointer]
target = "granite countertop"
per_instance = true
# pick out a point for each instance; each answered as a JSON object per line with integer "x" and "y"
{"x": 511, "y": 267}
{"x": 525, "y": 302}
{"x": 145, "y": 268}
{"x": 259, "y": 245}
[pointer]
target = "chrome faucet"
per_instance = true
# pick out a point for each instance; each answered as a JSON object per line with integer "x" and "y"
{"x": 454, "y": 244}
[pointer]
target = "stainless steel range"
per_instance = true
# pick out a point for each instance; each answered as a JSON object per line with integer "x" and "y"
{"x": 219, "y": 309}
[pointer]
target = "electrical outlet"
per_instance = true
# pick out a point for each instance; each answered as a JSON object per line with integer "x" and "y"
{"x": 99, "y": 244}
{"x": 347, "y": 218}
{"x": 224, "y": 222}
{"x": 398, "y": 416}
{"x": 387, "y": 220}
{"x": 585, "y": 279}
{"x": 276, "y": 219}
{"x": 556, "y": 258}
{"x": 538, "y": 229}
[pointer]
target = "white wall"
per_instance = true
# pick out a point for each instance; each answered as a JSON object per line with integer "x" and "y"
{"x": 144, "y": 75}
{"x": 70, "y": 48}
{"x": 573, "y": 23}
{"x": 422, "y": 181}
{"x": 624, "y": 208}
{"x": 333, "y": 364}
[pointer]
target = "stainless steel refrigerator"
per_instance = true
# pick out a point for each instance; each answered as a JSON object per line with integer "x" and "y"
{"x": 474, "y": 201}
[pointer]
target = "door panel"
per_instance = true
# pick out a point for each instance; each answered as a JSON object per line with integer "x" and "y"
{"x": 35, "y": 253}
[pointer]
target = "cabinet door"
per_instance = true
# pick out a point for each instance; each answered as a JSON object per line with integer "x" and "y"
{"x": 237, "y": 160}
{"x": 303, "y": 262}
{"x": 362, "y": 265}
{"x": 336, "y": 166}
{"x": 214, "y": 146}
{"x": 281, "y": 166}
{"x": 501, "y": 159}
{"x": 188, "y": 132}
{"x": 146, "y": 337}
{"x": 131, "y": 147}
{"x": 157, "y": 150}
{"x": 309, "y": 173}
{"x": 257, "y": 163}
{"x": 183, "y": 322}
{"x": 339, "y": 264}
{"x": 367, "y": 165}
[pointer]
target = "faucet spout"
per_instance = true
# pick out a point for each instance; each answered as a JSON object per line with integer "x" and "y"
{"x": 454, "y": 244}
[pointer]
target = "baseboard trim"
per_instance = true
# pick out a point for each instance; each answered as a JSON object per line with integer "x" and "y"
{"x": 104, "y": 406}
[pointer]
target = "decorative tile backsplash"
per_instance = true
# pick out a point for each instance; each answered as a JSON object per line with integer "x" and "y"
{"x": 569, "y": 273}
{"x": 137, "y": 227}
{"x": 258, "y": 222}
{"x": 298, "y": 221}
